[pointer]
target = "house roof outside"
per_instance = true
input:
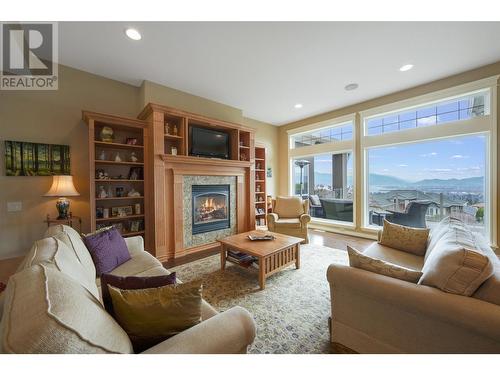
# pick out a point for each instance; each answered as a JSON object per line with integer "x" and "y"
{"x": 386, "y": 200}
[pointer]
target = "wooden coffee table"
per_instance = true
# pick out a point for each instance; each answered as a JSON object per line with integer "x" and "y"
{"x": 273, "y": 255}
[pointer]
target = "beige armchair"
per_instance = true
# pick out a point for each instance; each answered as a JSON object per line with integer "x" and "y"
{"x": 290, "y": 216}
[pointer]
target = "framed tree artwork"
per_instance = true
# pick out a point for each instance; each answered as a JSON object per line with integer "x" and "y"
{"x": 36, "y": 159}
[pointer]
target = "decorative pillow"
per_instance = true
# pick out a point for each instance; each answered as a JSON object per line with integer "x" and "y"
{"x": 149, "y": 316}
{"x": 456, "y": 270}
{"x": 108, "y": 250}
{"x": 131, "y": 283}
{"x": 361, "y": 261}
{"x": 408, "y": 239}
{"x": 289, "y": 207}
{"x": 315, "y": 200}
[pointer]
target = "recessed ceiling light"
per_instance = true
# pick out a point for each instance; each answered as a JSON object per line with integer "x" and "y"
{"x": 406, "y": 67}
{"x": 298, "y": 106}
{"x": 351, "y": 86}
{"x": 133, "y": 34}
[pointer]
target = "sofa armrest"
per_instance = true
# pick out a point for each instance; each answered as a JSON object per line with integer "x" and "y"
{"x": 398, "y": 297}
{"x": 135, "y": 245}
{"x": 230, "y": 332}
{"x": 304, "y": 219}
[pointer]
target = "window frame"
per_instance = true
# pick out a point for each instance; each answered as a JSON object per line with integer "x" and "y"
{"x": 485, "y": 125}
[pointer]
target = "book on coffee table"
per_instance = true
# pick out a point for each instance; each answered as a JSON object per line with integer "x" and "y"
{"x": 265, "y": 237}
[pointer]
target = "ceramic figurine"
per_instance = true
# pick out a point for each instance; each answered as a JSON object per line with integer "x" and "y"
{"x": 174, "y": 150}
{"x": 107, "y": 134}
{"x": 102, "y": 193}
{"x": 102, "y": 155}
{"x": 133, "y": 157}
{"x": 133, "y": 193}
{"x": 110, "y": 192}
{"x": 118, "y": 158}
{"x": 175, "y": 130}
{"x": 167, "y": 128}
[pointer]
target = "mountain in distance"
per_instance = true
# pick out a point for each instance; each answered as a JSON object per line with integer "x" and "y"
{"x": 395, "y": 182}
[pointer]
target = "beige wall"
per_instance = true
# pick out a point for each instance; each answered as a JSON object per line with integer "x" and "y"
{"x": 465, "y": 77}
{"x": 55, "y": 117}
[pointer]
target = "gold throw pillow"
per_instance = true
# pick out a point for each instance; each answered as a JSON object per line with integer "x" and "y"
{"x": 364, "y": 262}
{"x": 151, "y": 315}
{"x": 408, "y": 239}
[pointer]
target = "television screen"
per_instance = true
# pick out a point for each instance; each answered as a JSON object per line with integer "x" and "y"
{"x": 209, "y": 143}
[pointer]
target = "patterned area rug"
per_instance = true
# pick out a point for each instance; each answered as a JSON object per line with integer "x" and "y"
{"x": 291, "y": 313}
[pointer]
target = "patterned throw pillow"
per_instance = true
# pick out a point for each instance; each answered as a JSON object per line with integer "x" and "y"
{"x": 150, "y": 316}
{"x": 361, "y": 261}
{"x": 408, "y": 239}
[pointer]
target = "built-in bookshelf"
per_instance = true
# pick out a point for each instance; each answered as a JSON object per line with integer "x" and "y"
{"x": 117, "y": 160}
{"x": 260, "y": 186}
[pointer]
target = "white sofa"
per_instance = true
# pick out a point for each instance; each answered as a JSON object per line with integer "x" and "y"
{"x": 53, "y": 305}
{"x": 372, "y": 313}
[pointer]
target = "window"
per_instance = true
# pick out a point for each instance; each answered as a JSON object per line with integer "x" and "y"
{"x": 443, "y": 177}
{"x": 445, "y": 111}
{"x": 327, "y": 181}
{"x": 326, "y": 135}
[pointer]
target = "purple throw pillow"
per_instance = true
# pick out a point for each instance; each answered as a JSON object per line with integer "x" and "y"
{"x": 131, "y": 282}
{"x": 107, "y": 249}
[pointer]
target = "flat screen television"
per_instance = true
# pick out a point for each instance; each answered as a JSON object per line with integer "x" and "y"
{"x": 209, "y": 143}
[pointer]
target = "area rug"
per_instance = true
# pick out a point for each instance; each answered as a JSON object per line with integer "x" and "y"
{"x": 291, "y": 314}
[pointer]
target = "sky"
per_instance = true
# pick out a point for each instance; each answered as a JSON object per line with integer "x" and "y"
{"x": 444, "y": 159}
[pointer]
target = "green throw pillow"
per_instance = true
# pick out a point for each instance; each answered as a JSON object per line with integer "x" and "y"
{"x": 149, "y": 316}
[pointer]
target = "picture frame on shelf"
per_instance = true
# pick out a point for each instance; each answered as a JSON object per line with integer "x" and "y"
{"x": 122, "y": 211}
{"x": 135, "y": 226}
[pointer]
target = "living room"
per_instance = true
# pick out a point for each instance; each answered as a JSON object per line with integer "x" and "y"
{"x": 249, "y": 187}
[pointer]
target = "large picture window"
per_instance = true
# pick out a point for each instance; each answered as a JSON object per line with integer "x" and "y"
{"x": 420, "y": 183}
{"x": 327, "y": 181}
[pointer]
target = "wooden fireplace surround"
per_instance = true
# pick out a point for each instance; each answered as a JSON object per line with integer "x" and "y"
{"x": 165, "y": 176}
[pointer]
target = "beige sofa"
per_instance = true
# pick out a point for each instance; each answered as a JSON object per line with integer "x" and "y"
{"x": 372, "y": 313}
{"x": 53, "y": 305}
{"x": 290, "y": 216}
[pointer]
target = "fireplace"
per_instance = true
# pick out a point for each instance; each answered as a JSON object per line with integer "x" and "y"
{"x": 210, "y": 208}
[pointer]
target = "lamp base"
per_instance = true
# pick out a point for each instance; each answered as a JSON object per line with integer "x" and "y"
{"x": 62, "y": 206}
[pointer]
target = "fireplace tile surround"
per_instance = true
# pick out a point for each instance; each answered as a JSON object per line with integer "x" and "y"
{"x": 191, "y": 240}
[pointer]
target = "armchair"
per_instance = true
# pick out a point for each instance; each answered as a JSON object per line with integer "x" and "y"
{"x": 290, "y": 216}
{"x": 414, "y": 215}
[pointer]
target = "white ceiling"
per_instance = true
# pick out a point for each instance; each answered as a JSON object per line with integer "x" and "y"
{"x": 266, "y": 68}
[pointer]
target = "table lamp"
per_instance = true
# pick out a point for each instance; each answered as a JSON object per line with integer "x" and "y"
{"x": 62, "y": 186}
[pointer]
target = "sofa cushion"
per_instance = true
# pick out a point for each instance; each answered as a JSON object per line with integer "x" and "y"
{"x": 53, "y": 252}
{"x": 136, "y": 265}
{"x": 457, "y": 270}
{"x": 289, "y": 223}
{"x": 74, "y": 240}
{"x": 400, "y": 258}
{"x": 150, "y": 316}
{"x": 489, "y": 291}
{"x": 48, "y": 312}
{"x": 451, "y": 230}
{"x": 361, "y": 261}
{"x": 411, "y": 240}
{"x": 289, "y": 207}
{"x": 108, "y": 250}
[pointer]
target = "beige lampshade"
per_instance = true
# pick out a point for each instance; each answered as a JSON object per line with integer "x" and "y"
{"x": 62, "y": 186}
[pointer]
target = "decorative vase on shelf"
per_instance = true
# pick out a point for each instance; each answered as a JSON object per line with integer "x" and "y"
{"x": 173, "y": 150}
{"x": 102, "y": 193}
{"x": 133, "y": 157}
{"x": 102, "y": 155}
{"x": 107, "y": 134}
{"x": 167, "y": 128}
{"x": 175, "y": 130}
{"x": 118, "y": 158}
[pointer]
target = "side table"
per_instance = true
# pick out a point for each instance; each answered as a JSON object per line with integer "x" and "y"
{"x": 69, "y": 221}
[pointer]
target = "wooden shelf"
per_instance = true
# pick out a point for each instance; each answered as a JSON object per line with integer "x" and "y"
{"x": 260, "y": 192}
{"x": 244, "y": 146}
{"x": 117, "y": 145}
{"x": 131, "y": 234}
{"x": 259, "y": 159}
{"x": 262, "y": 181}
{"x": 118, "y": 198}
{"x": 259, "y": 170}
{"x": 118, "y": 218}
{"x": 173, "y": 137}
{"x": 112, "y": 162}
{"x": 117, "y": 180}
{"x": 260, "y": 202}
